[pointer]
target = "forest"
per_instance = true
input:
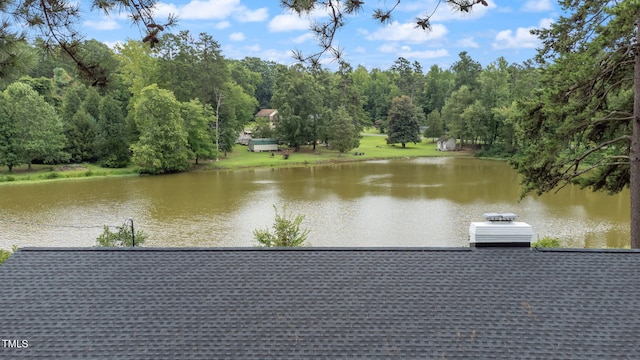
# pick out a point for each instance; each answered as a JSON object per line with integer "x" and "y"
{"x": 165, "y": 108}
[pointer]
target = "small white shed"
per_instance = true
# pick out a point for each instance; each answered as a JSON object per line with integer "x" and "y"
{"x": 446, "y": 143}
{"x": 258, "y": 145}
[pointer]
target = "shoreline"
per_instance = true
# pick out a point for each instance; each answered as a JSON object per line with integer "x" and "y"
{"x": 371, "y": 148}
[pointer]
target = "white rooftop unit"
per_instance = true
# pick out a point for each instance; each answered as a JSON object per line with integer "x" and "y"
{"x": 500, "y": 230}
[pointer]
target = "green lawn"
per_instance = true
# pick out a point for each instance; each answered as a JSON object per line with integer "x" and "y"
{"x": 372, "y": 145}
{"x": 67, "y": 171}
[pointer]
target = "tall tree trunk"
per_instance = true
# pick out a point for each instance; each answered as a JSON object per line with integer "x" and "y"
{"x": 634, "y": 158}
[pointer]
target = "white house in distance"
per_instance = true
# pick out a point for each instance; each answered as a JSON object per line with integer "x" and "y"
{"x": 446, "y": 143}
{"x": 258, "y": 145}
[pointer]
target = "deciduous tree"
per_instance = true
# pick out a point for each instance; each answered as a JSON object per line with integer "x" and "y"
{"x": 403, "y": 125}
{"x": 163, "y": 143}
{"x": 32, "y": 128}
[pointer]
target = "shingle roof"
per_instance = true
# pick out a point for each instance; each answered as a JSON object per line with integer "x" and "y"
{"x": 266, "y": 112}
{"x": 321, "y": 303}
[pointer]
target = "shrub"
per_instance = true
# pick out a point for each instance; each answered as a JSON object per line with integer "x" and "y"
{"x": 547, "y": 242}
{"x": 6, "y": 254}
{"x": 287, "y": 232}
{"x": 121, "y": 237}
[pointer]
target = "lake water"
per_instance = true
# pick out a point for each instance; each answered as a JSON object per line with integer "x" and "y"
{"x": 410, "y": 202}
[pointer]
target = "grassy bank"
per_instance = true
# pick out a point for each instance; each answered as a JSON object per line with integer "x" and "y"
{"x": 57, "y": 172}
{"x": 372, "y": 146}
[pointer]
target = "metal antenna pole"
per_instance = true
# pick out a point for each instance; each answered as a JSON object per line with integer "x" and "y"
{"x": 133, "y": 234}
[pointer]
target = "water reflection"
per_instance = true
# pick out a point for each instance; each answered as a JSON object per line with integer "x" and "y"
{"x": 418, "y": 202}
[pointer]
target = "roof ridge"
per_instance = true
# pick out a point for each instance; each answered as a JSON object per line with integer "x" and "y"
{"x": 232, "y": 249}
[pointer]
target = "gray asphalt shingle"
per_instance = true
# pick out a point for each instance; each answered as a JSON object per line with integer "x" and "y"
{"x": 321, "y": 303}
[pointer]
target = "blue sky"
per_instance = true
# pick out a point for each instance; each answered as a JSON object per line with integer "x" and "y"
{"x": 261, "y": 28}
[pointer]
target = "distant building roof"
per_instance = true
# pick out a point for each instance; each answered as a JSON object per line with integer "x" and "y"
{"x": 261, "y": 141}
{"x": 266, "y": 113}
{"x": 147, "y": 303}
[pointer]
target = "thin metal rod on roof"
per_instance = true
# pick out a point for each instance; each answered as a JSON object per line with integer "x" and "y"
{"x": 133, "y": 234}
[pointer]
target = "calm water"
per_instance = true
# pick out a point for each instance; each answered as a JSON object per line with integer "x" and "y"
{"x": 417, "y": 202}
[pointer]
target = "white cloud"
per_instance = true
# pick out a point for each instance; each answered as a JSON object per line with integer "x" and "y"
{"x": 545, "y": 23}
{"x": 163, "y": 10}
{"x": 468, "y": 43}
{"x": 105, "y": 24}
{"x": 222, "y": 25}
{"x": 209, "y": 9}
{"x": 246, "y": 15}
{"x": 521, "y": 39}
{"x": 237, "y": 36}
{"x": 288, "y": 22}
{"x": 537, "y": 5}
{"x": 302, "y": 38}
{"x": 388, "y": 48}
{"x": 427, "y": 54}
{"x": 407, "y": 32}
{"x": 445, "y": 13}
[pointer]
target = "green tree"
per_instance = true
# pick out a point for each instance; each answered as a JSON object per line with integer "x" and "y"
{"x": 379, "y": 93}
{"x": 262, "y": 129}
{"x": 584, "y": 125}
{"x": 343, "y": 134}
{"x": 122, "y": 236}
{"x": 268, "y": 71}
{"x": 452, "y": 114}
{"x": 198, "y": 120}
{"x": 435, "y": 126}
{"x": 81, "y": 137}
{"x": 403, "y": 125}
{"x": 466, "y": 72}
{"x": 32, "y": 128}
{"x": 408, "y": 77}
{"x": 438, "y": 85}
{"x": 163, "y": 143}
{"x": 299, "y": 102}
{"x": 112, "y": 147}
{"x": 286, "y": 231}
{"x": 56, "y": 22}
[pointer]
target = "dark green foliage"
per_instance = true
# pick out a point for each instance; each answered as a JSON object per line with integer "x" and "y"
{"x": 112, "y": 147}
{"x": 577, "y": 128}
{"x": 343, "y": 134}
{"x": 81, "y": 137}
{"x": 403, "y": 126}
{"x": 299, "y": 102}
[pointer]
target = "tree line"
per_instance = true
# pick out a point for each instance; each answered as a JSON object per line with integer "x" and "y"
{"x": 166, "y": 107}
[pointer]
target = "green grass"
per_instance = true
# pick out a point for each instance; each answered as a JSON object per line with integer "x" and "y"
{"x": 57, "y": 172}
{"x": 372, "y": 145}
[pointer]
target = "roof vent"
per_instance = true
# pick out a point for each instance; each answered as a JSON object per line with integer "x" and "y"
{"x": 500, "y": 230}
